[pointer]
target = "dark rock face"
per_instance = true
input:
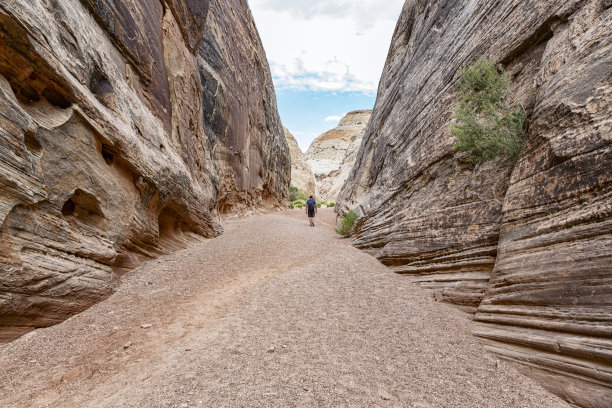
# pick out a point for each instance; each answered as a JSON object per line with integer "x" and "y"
{"x": 240, "y": 114}
{"x": 106, "y": 158}
{"x": 527, "y": 245}
{"x": 134, "y": 27}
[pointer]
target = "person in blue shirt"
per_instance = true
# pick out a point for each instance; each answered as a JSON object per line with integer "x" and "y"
{"x": 311, "y": 210}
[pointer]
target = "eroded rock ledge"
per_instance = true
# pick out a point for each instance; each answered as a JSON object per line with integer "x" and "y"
{"x": 528, "y": 246}
{"x": 109, "y": 152}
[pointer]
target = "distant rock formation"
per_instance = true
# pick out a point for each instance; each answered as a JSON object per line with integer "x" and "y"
{"x": 117, "y": 143}
{"x": 302, "y": 177}
{"x": 332, "y": 155}
{"x": 527, "y": 245}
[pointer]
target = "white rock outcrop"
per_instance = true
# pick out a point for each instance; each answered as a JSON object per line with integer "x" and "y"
{"x": 332, "y": 155}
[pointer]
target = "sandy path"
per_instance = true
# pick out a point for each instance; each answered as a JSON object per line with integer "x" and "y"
{"x": 344, "y": 331}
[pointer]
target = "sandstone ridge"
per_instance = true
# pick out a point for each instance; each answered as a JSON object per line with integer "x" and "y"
{"x": 108, "y": 153}
{"x": 525, "y": 245}
{"x": 332, "y": 154}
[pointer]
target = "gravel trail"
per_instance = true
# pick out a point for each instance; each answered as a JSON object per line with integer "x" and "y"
{"x": 271, "y": 314}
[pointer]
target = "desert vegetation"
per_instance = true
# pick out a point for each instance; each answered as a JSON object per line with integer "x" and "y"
{"x": 487, "y": 124}
{"x": 297, "y": 199}
{"x": 345, "y": 227}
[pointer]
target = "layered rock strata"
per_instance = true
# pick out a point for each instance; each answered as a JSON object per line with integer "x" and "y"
{"x": 527, "y": 245}
{"x": 240, "y": 113}
{"x": 302, "y": 177}
{"x": 104, "y": 155}
{"x": 332, "y": 155}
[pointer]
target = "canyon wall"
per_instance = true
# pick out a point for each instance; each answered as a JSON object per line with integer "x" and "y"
{"x": 526, "y": 245}
{"x": 107, "y": 152}
{"x": 302, "y": 177}
{"x": 332, "y": 155}
{"x": 240, "y": 113}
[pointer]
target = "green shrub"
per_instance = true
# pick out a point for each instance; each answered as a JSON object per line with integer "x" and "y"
{"x": 347, "y": 223}
{"x": 295, "y": 194}
{"x": 487, "y": 125}
{"x": 291, "y": 205}
{"x": 332, "y": 204}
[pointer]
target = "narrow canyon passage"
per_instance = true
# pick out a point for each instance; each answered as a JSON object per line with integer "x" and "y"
{"x": 271, "y": 313}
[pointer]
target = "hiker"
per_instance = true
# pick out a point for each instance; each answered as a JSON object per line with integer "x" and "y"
{"x": 311, "y": 210}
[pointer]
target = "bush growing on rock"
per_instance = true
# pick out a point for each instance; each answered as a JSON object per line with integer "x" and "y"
{"x": 332, "y": 204}
{"x": 487, "y": 125}
{"x": 347, "y": 223}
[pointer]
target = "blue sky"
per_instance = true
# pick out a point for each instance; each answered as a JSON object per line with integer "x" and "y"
{"x": 308, "y": 113}
{"x": 326, "y": 57}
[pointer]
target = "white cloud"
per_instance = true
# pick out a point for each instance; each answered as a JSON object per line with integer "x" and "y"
{"x": 332, "y": 75}
{"x": 364, "y": 12}
{"x": 333, "y": 118}
{"x": 326, "y": 45}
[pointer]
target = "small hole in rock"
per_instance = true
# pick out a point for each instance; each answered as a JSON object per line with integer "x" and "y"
{"x": 68, "y": 208}
{"x": 31, "y": 142}
{"x": 100, "y": 86}
{"x": 84, "y": 207}
{"x": 107, "y": 155}
{"x": 56, "y": 98}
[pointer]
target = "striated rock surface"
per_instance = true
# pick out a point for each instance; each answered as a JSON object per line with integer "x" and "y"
{"x": 549, "y": 300}
{"x": 106, "y": 155}
{"x": 301, "y": 173}
{"x": 532, "y": 238}
{"x": 331, "y": 155}
{"x": 240, "y": 113}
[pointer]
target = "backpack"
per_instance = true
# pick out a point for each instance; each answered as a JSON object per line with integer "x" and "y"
{"x": 311, "y": 204}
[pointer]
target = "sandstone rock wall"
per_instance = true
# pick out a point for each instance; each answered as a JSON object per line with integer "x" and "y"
{"x": 240, "y": 113}
{"x": 333, "y": 154}
{"x": 302, "y": 177}
{"x": 106, "y": 156}
{"x": 533, "y": 238}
